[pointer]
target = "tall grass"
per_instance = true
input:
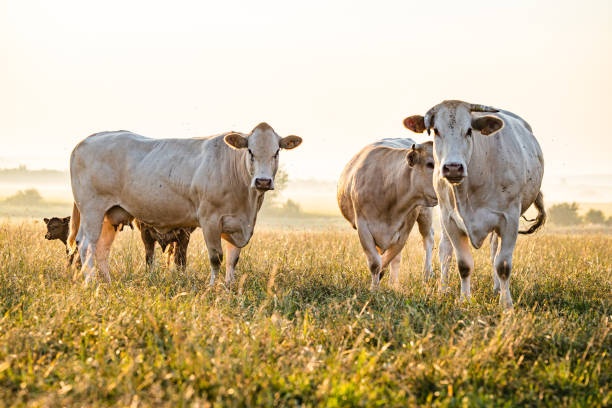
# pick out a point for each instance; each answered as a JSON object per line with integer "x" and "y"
{"x": 301, "y": 328}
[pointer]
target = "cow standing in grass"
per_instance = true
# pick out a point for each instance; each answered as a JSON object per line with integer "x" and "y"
{"x": 173, "y": 243}
{"x": 216, "y": 183}
{"x": 489, "y": 169}
{"x": 382, "y": 191}
{"x": 58, "y": 228}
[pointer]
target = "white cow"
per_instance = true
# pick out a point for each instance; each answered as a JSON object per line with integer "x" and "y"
{"x": 216, "y": 183}
{"x": 489, "y": 170}
{"x": 382, "y": 191}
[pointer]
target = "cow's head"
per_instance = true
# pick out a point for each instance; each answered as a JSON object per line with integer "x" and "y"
{"x": 263, "y": 146}
{"x": 57, "y": 228}
{"x": 453, "y": 123}
{"x": 420, "y": 159}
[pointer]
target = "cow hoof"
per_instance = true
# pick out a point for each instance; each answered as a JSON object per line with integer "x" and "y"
{"x": 465, "y": 300}
{"x": 506, "y": 303}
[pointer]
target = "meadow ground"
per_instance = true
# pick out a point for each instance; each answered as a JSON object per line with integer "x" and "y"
{"x": 301, "y": 328}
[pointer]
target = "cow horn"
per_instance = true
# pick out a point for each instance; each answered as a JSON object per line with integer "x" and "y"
{"x": 482, "y": 108}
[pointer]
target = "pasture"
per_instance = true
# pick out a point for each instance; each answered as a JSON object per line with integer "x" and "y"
{"x": 301, "y": 328}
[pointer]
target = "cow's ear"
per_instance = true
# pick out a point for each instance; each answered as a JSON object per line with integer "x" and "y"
{"x": 66, "y": 220}
{"x": 236, "y": 140}
{"x": 290, "y": 142}
{"x": 487, "y": 125}
{"x": 413, "y": 156}
{"x": 415, "y": 123}
{"x": 46, "y": 220}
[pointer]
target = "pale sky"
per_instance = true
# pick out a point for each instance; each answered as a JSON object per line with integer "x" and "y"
{"x": 340, "y": 74}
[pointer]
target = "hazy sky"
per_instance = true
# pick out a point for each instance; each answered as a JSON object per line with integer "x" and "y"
{"x": 338, "y": 73}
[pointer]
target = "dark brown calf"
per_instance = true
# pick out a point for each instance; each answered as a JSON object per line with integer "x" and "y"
{"x": 175, "y": 240}
{"x": 58, "y": 228}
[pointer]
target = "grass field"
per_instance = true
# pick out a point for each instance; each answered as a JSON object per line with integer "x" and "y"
{"x": 301, "y": 328}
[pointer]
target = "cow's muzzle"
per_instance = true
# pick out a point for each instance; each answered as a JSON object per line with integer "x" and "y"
{"x": 264, "y": 184}
{"x": 453, "y": 172}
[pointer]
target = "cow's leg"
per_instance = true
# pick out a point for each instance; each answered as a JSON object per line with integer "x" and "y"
{"x": 78, "y": 263}
{"x": 393, "y": 253}
{"x": 70, "y": 257}
{"x": 105, "y": 241}
{"x": 372, "y": 255}
{"x": 424, "y": 221}
{"x": 392, "y": 258}
{"x": 90, "y": 230}
{"x": 394, "y": 267}
{"x": 212, "y": 237}
{"x": 149, "y": 244}
{"x": 170, "y": 253}
{"x": 233, "y": 254}
{"x": 87, "y": 260}
{"x": 445, "y": 253}
{"x": 503, "y": 260}
{"x": 465, "y": 261}
{"x": 494, "y": 247}
{"x": 180, "y": 250}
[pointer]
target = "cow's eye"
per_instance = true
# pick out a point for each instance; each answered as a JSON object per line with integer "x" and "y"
{"x": 276, "y": 154}
{"x": 468, "y": 133}
{"x": 251, "y": 155}
{"x": 436, "y": 132}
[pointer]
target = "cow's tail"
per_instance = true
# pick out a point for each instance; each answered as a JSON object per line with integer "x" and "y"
{"x": 540, "y": 219}
{"x": 75, "y": 222}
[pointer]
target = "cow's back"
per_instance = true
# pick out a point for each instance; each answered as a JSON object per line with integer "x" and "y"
{"x": 152, "y": 179}
{"x": 509, "y": 162}
{"x": 365, "y": 180}
{"x": 103, "y": 161}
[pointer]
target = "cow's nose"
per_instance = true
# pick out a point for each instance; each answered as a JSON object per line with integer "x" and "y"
{"x": 453, "y": 171}
{"x": 263, "y": 184}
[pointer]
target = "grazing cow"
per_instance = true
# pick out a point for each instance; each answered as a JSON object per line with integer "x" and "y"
{"x": 489, "y": 170}
{"x": 175, "y": 241}
{"x": 216, "y": 183}
{"x": 382, "y": 191}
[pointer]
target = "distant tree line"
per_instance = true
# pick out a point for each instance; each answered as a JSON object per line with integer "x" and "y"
{"x": 23, "y": 174}
{"x": 566, "y": 214}
{"x": 25, "y": 197}
{"x": 272, "y": 204}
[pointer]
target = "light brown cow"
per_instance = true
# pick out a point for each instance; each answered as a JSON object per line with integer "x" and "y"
{"x": 489, "y": 169}
{"x": 382, "y": 191}
{"x": 216, "y": 183}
